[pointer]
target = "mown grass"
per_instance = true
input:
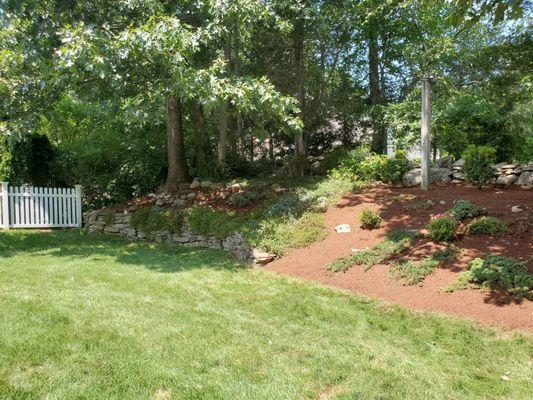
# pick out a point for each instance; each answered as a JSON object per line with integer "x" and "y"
{"x": 95, "y": 317}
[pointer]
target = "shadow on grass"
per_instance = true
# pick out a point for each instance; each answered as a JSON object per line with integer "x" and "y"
{"x": 75, "y": 244}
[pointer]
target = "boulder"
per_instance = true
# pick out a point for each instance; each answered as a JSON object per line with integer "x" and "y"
{"x": 216, "y": 186}
{"x": 414, "y": 177}
{"x": 195, "y": 184}
{"x": 178, "y": 203}
{"x": 525, "y": 179}
{"x": 322, "y": 203}
{"x": 459, "y": 163}
{"x": 206, "y": 184}
{"x": 262, "y": 257}
{"x": 506, "y": 179}
{"x": 459, "y": 175}
{"x": 445, "y": 162}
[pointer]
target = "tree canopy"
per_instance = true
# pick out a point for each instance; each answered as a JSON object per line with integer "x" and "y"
{"x": 126, "y": 96}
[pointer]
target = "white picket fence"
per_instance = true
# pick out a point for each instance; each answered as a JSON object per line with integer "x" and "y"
{"x": 40, "y": 207}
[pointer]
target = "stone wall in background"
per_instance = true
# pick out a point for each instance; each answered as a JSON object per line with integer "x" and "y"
{"x": 448, "y": 171}
{"x": 118, "y": 223}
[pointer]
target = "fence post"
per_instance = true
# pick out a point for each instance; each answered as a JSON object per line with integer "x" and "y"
{"x": 5, "y": 205}
{"x": 78, "y": 206}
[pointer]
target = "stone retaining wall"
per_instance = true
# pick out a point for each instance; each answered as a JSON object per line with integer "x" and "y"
{"x": 448, "y": 171}
{"x": 119, "y": 224}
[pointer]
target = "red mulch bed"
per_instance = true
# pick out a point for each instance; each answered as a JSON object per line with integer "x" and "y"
{"x": 486, "y": 307}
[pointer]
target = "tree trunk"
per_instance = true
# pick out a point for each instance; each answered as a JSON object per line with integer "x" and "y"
{"x": 300, "y": 143}
{"x": 426, "y": 133}
{"x": 200, "y": 138}
{"x": 379, "y": 134}
{"x": 178, "y": 171}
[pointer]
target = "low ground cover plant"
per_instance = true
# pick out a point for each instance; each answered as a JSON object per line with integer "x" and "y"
{"x": 464, "y": 209}
{"x": 414, "y": 272}
{"x": 397, "y": 241}
{"x": 497, "y": 273}
{"x": 149, "y": 220}
{"x": 369, "y": 219}
{"x": 442, "y": 228}
{"x": 242, "y": 199}
{"x": 487, "y": 226}
{"x": 478, "y": 164}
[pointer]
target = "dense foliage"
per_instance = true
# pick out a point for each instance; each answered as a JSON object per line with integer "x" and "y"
{"x": 478, "y": 164}
{"x": 124, "y": 97}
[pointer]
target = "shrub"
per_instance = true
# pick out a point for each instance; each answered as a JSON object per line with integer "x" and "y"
{"x": 209, "y": 221}
{"x": 286, "y": 205}
{"x": 487, "y": 226}
{"x": 464, "y": 209}
{"x": 498, "y": 272}
{"x": 369, "y": 219}
{"x": 395, "y": 167}
{"x": 149, "y": 220}
{"x": 477, "y": 167}
{"x": 442, "y": 228}
{"x": 242, "y": 199}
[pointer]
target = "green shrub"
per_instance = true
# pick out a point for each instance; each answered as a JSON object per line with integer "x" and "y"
{"x": 287, "y": 205}
{"x": 449, "y": 253}
{"x": 395, "y": 168}
{"x": 369, "y": 219}
{"x": 464, "y": 209}
{"x": 242, "y": 199}
{"x": 149, "y": 220}
{"x": 478, "y": 161}
{"x": 487, "y": 226}
{"x": 498, "y": 272}
{"x": 442, "y": 228}
{"x": 208, "y": 221}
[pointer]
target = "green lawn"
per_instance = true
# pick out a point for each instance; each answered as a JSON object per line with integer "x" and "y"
{"x": 93, "y": 317}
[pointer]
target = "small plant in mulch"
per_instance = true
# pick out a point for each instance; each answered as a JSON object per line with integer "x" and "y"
{"x": 464, "y": 209}
{"x": 369, "y": 219}
{"x": 396, "y": 242}
{"x": 497, "y": 273}
{"x": 243, "y": 199}
{"x": 414, "y": 272}
{"x": 442, "y": 228}
{"x": 420, "y": 205}
{"x": 487, "y": 226}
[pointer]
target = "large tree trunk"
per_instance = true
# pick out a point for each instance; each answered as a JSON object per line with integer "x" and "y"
{"x": 300, "y": 142}
{"x": 379, "y": 134}
{"x": 178, "y": 171}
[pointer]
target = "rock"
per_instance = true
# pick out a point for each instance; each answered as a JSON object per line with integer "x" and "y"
{"x": 525, "y": 179}
{"x": 178, "y": 203}
{"x": 322, "y": 203}
{"x": 159, "y": 202}
{"x": 459, "y": 163}
{"x": 509, "y": 166}
{"x": 262, "y": 257}
{"x": 413, "y": 177}
{"x": 216, "y": 186}
{"x": 343, "y": 228}
{"x": 445, "y": 162}
{"x": 516, "y": 209}
{"x": 459, "y": 175}
{"x": 191, "y": 196}
{"x": 316, "y": 167}
{"x": 184, "y": 186}
{"x": 442, "y": 202}
{"x": 506, "y": 179}
{"x": 195, "y": 184}
{"x": 206, "y": 184}
{"x": 498, "y": 166}
{"x": 527, "y": 167}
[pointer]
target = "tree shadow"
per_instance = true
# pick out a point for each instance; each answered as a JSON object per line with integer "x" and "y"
{"x": 75, "y": 244}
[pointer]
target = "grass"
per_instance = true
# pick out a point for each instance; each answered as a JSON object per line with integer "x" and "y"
{"x": 396, "y": 242}
{"x": 86, "y": 316}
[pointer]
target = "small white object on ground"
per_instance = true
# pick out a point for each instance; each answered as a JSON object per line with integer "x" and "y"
{"x": 343, "y": 228}
{"x": 516, "y": 209}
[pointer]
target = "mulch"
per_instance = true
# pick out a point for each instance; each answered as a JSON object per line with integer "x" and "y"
{"x": 398, "y": 208}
